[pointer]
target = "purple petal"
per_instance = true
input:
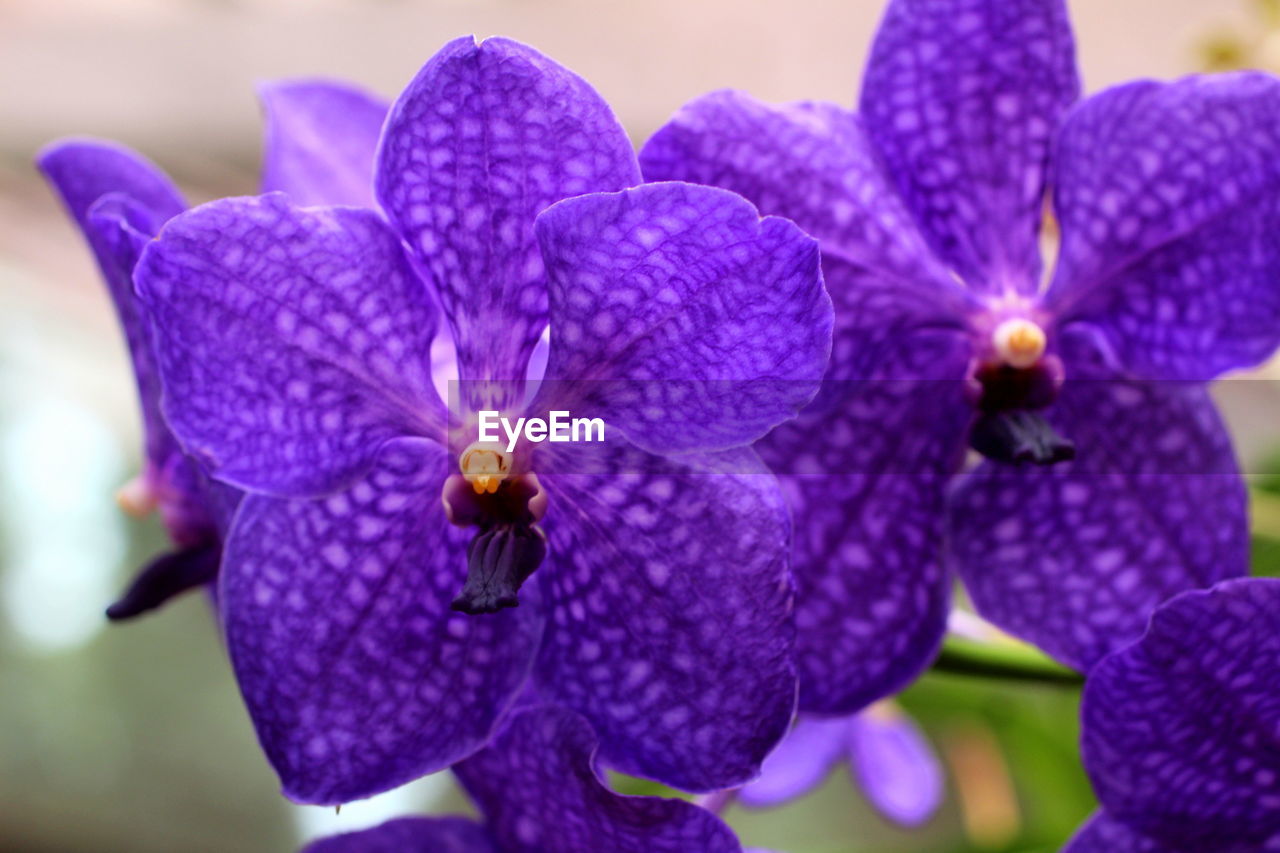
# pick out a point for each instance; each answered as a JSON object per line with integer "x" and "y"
{"x": 1182, "y": 728}
{"x": 357, "y": 674}
{"x": 411, "y": 835}
{"x": 539, "y": 788}
{"x": 812, "y": 163}
{"x": 800, "y": 763}
{"x": 319, "y": 141}
{"x": 84, "y": 170}
{"x": 1075, "y": 557}
{"x": 292, "y": 342}
{"x": 120, "y": 201}
{"x": 682, "y": 317}
{"x": 865, "y": 470}
{"x": 1104, "y": 834}
{"x": 895, "y": 766}
{"x": 484, "y": 138}
{"x": 195, "y": 510}
{"x": 671, "y": 624}
{"x": 963, "y": 97}
{"x": 1169, "y": 199}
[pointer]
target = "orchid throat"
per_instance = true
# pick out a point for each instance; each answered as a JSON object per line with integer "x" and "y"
{"x": 505, "y": 506}
{"x": 1010, "y": 385}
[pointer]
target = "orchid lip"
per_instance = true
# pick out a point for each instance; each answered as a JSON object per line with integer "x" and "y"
{"x": 508, "y": 544}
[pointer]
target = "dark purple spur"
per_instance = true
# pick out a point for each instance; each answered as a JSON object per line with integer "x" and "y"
{"x": 539, "y": 790}
{"x": 120, "y": 201}
{"x": 294, "y": 344}
{"x": 1182, "y": 728}
{"x": 1109, "y": 482}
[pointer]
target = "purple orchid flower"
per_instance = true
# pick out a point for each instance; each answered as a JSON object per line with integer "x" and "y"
{"x": 928, "y": 204}
{"x": 1181, "y": 730}
{"x": 294, "y": 349}
{"x": 889, "y": 758}
{"x": 538, "y": 788}
{"x": 120, "y": 201}
{"x": 320, "y": 141}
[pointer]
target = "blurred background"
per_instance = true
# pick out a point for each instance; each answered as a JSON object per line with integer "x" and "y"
{"x": 132, "y": 738}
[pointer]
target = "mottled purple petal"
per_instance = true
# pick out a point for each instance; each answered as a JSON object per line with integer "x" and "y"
{"x": 411, "y": 835}
{"x": 963, "y": 98}
{"x": 865, "y": 471}
{"x": 538, "y": 786}
{"x": 895, "y": 766}
{"x": 1075, "y": 557}
{"x": 357, "y": 674}
{"x": 484, "y": 138}
{"x": 812, "y": 163}
{"x": 292, "y": 342}
{"x": 1104, "y": 834}
{"x": 1182, "y": 728}
{"x": 800, "y": 763}
{"x": 671, "y": 623}
{"x": 319, "y": 141}
{"x": 1169, "y": 199}
{"x": 682, "y": 317}
{"x": 120, "y": 201}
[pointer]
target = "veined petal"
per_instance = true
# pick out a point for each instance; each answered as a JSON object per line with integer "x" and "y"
{"x": 670, "y": 628}
{"x": 963, "y": 98}
{"x": 355, "y": 671}
{"x": 800, "y": 763}
{"x": 319, "y": 141}
{"x": 539, "y": 788}
{"x": 1181, "y": 728}
{"x": 292, "y": 342}
{"x": 411, "y": 835}
{"x": 812, "y": 163}
{"x": 1169, "y": 199}
{"x": 120, "y": 201}
{"x": 865, "y": 470}
{"x": 682, "y": 317}
{"x": 1075, "y": 557}
{"x": 1104, "y": 834}
{"x": 484, "y": 138}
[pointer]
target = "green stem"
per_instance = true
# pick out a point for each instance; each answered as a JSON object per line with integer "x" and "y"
{"x": 1011, "y": 663}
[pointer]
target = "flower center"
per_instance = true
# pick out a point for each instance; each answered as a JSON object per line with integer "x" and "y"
{"x": 1019, "y": 342}
{"x": 484, "y": 466}
{"x": 1010, "y": 386}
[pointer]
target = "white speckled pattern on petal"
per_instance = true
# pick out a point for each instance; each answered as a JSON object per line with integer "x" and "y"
{"x": 681, "y": 317}
{"x": 540, "y": 789}
{"x": 292, "y": 342}
{"x": 484, "y": 138}
{"x": 963, "y": 98}
{"x": 355, "y": 671}
{"x": 670, "y": 627}
{"x": 1182, "y": 728}
{"x": 1168, "y": 195}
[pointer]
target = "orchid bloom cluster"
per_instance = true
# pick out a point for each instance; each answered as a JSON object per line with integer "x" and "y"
{"x": 779, "y": 505}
